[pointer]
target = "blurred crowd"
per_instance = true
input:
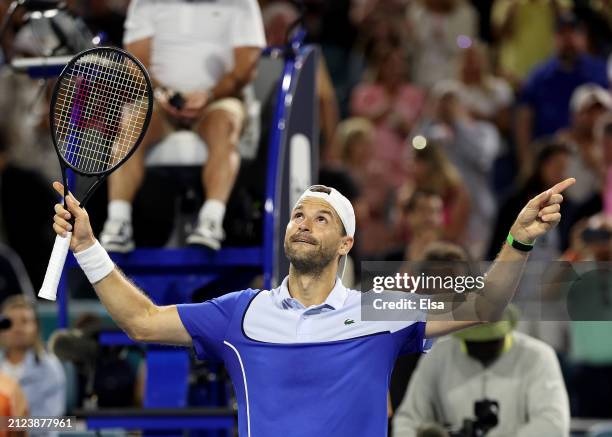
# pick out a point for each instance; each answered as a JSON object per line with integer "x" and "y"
{"x": 442, "y": 116}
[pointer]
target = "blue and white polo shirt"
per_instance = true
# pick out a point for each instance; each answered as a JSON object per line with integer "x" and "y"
{"x": 303, "y": 372}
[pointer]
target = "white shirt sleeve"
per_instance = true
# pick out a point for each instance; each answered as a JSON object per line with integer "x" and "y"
{"x": 247, "y": 26}
{"x": 547, "y": 400}
{"x": 139, "y": 21}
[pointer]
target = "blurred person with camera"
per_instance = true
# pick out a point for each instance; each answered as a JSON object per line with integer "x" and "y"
{"x": 23, "y": 358}
{"x": 487, "y": 380}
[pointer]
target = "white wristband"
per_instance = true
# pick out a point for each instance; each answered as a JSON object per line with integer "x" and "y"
{"x": 95, "y": 262}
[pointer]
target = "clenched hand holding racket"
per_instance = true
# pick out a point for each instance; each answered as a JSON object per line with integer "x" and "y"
{"x": 100, "y": 110}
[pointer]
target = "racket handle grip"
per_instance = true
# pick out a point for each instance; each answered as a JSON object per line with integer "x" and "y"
{"x": 56, "y": 266}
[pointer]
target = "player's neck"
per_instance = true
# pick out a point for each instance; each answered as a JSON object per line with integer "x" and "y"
{"x": 311, "y": 289}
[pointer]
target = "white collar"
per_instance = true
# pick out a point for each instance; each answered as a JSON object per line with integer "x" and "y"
{"x": 335, "y": 300}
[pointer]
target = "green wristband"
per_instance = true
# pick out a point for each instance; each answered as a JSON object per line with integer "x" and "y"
{"x": 523, "y": 247}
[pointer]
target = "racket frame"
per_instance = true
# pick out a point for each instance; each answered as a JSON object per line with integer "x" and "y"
{"x": 101, "y": 175}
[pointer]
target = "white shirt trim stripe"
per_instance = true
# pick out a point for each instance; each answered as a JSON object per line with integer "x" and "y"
{"x": 246, "y": 390}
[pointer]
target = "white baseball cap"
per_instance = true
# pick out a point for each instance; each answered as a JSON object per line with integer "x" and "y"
{"x": 589, "y": 94}
{"x": 341, "y": 205}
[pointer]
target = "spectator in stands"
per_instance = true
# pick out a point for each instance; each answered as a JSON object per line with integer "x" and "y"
{"x": 472, "y": 146}
{"x": 23, "y": 358}
{"x": 334, "y": 25}
{"x": 24, "y": 123}
{"x": 354, "y": 142}
{"x": 440, "y": 28}
{"x": 382, "y": 27}
{"x": 487, "y": 97}
{"x": 591, "y": 328}
{"x": 603, "y": 133}
{"x": 208, "y": 53}
{"x": 12, "y": 400}
{"x": 524, "y": 30}
{"x": 421, "y": 218}
{"x": 278, "y": 18}
{"x": 104, "y": 18}
{"x": 439, "y": 253}
{"x": 588, "y": 103}
{"x": 490, "y": 362}
{"x": 33, "y": 246}
{"x": 433, "y": 172}
{"x": 551, "y": 166}
{"x": 393, "y": 105}
{"x": 597, "y": 16}
{"x": 12, "y": 403}
{"x": 545, "y": 97}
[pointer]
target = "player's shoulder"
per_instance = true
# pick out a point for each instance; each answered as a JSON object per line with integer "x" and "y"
{"x": 240, "y": 295}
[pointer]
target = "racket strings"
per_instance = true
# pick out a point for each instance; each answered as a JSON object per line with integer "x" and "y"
{"x": 114, "y": 113}
{"x": 100, "y": 110}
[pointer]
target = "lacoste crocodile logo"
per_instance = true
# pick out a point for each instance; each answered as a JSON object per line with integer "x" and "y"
{"x": 349, "y": 321}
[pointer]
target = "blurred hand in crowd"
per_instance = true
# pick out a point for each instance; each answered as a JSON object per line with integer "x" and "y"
{"x": 591, "y": 240}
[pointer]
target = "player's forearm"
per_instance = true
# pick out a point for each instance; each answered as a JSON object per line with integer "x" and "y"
{"x": 128, "y": 306}
{"x": 500, "y": 283}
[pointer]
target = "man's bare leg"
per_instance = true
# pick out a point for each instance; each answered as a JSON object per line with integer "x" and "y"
{"x": 220, "y": 130}
{"x": 124, "y": 183}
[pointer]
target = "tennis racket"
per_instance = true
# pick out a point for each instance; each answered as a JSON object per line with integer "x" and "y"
{"x": 100, "y": 110}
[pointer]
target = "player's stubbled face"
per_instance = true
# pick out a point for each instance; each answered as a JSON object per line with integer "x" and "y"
{"x": 313, "y": 236}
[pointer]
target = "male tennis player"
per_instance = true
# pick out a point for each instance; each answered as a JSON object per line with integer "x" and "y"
{"x": 302, "y": 360}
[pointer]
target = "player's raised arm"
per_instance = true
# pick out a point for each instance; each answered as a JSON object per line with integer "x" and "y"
{"x": 540, "y": 215}
{"x": 129, "y": 307}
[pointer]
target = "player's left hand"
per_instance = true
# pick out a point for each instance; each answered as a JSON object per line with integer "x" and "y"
{"x": 541, "y": 213}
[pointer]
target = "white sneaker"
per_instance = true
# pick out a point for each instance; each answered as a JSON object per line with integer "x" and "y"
{"x": 117, "y": 236}
{"x": 208, "y": 234}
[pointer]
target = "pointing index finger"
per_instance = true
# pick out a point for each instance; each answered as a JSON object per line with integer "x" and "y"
{"x": 563, "y": 185}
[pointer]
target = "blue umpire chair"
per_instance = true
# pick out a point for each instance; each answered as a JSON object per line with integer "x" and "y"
{"x": 272, "y": 177}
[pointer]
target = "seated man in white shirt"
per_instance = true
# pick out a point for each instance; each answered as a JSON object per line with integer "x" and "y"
{"x": 201, "y": 55}
{"x": 487, "y": 363}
